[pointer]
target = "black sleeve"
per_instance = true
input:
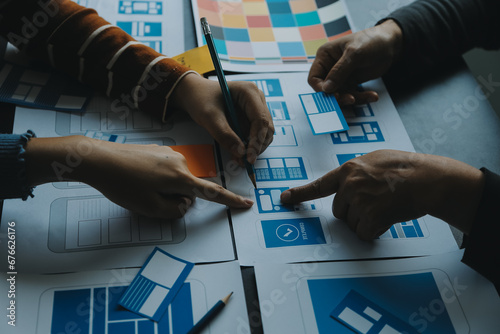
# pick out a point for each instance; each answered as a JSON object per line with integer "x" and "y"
{"x": 435, "y": 30}
{"x": 482, "y": 247}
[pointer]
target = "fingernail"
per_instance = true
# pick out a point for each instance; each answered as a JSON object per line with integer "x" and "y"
{"x": 372, "y": 98}
{"x": 188, "y": 202}
{"x": 285, "y": 196}
{"x": 328, "y": 86}
{"x": 248, "y": 202}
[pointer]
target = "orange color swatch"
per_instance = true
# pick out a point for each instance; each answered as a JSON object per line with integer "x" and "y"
{"x": 200, "y": 159}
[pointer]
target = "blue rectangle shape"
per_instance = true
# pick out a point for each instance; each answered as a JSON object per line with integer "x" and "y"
{"x": 417, "y": 228}
{"x": 66, "y": 306}
{"x": 278, "y": 169}
{"x": 281, "y": 7}
{"x": 127, "y": 327}
{"x": 236, "y": 35}
{"x": 394, "y": 234}
{"x": 140, "y": 7}
{"x": 270, "y": 87}
{"x": 356, "y": 303}
{"x": 342, "y": 158}
{"x": 154, "y": 28}
{"x": 115, "y": 311}
{"x": 366, "y": 137}
{"x": 409, "y": 231}
{"x": 292, "y": 232}
{"x": 401, "y": 294}
{"x": 337, "y": 27}
{"x": 141, "y": 287}
{"x": 182, "y": 306}
{"x": 283, "y": 20}
{"x": 307, "y": 19}
{"x": 291, "y": 49}
{"x": 99, "y": 316}
{"x": 278, "y": 110}
{"x": 125, "y": 26}
{"x": 323, "y": 103}
{"x": 146, "y": 327}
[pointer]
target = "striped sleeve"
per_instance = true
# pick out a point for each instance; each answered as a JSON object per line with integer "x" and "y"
{"x": 76, "y": 40}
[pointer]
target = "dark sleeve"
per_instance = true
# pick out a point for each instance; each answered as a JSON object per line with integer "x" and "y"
{"x": 13, "y": 183}
{"x": 435, "y": 30}
{"x": 482, "y": 247}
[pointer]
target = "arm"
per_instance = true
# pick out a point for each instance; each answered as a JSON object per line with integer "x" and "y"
{"x": 482, "y": 252}
{"x": 379, "y": 189}
{"x": 435, "y": 30}
{"x": 76, "y": 40}
{"x": 411, "y": 40}
{"x": 385, "y": 187}
{"x": 148, "y": 179}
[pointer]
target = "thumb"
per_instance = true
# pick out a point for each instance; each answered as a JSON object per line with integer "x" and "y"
{"x": 339, "y": 74}
{"x": 326, "y": 185}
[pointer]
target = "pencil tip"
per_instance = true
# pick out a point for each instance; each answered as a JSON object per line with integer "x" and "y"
{"x": 254, "y": 182}
{"x": 226, "y": 299}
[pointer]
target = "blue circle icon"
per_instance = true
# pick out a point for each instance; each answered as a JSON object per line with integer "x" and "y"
{"x": 287, "y": 232}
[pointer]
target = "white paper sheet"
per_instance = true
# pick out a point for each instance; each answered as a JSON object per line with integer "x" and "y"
{"x": 270, "y": 232}
{"x": 72, "y": 302}
{"x": 159, "y": 23}
{"x": 433, "y": 294}
{"x": 69, "y": 226}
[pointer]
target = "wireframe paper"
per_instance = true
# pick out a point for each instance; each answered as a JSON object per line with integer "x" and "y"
{"x": 156, "y": 285}
{"x": 323, "y": 113}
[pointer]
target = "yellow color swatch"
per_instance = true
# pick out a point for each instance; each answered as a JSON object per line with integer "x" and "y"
{"x": 200, "y": 159}
{"x": 261, "y": 34}
{"x": 198, "y": 59}
{"x": 234, "y": 21}
{"x": 256, "y": 8}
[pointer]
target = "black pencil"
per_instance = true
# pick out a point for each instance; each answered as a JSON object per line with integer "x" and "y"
{"x": 211, "y": 314}
{"x": 225, "y": 92}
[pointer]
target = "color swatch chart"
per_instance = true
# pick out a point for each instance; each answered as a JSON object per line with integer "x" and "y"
{"x": 271, "y": 32}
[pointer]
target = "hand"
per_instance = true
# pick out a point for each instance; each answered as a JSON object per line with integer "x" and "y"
{"x": 342, "y": 64}
{"x": 203, "y": 100}
{"x": 151, "y": 180}
{"x": 385, "y": 187}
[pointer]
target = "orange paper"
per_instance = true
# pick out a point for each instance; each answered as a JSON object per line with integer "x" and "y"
{"x": 200, "y": 159}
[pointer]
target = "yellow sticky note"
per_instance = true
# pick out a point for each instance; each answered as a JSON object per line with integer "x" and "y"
{"x": 200, "y": 159}
{"x": 198, "y": 59}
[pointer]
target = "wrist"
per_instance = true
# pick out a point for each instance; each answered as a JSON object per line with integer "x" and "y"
{"x": 59, "y": 159}
{"x": 394, "y": 36}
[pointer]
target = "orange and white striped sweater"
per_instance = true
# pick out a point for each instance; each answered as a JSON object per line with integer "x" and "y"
{"x": 76, "y": 40}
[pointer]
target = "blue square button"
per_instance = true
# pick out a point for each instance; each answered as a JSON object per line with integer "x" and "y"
{"x": 293, "y": 232}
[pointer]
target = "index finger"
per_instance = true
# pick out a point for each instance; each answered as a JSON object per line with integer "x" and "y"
{"x": 326, "y": 185}
{"x": 213, "y": 192}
